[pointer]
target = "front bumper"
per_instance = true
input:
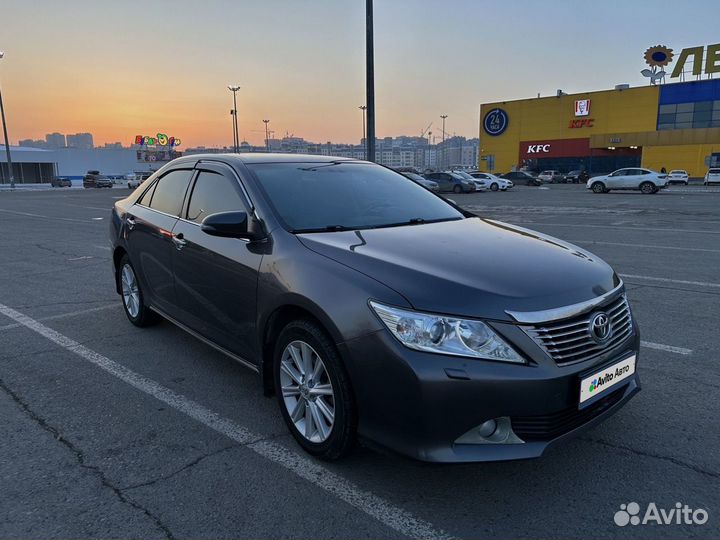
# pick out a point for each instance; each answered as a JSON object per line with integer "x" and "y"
{"x": 419, "y": 403}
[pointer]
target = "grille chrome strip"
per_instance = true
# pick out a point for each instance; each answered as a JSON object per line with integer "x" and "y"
{"x": 570, "y": 341}
{"x": 565, "y": 312}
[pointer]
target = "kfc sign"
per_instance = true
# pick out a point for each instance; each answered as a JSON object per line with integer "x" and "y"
{"x": 538, "y": 149}
{"x": 585, "y": 122}
{"x": 582, "y": 107}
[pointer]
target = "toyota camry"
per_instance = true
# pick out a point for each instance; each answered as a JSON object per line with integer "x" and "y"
{"x": 371, "y": 307}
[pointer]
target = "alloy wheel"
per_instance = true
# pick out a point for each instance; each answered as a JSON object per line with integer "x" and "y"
{"x": 130, "y": 291}
{"x": 307, "y": 391}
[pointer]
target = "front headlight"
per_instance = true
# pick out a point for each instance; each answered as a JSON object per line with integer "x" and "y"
{"x": 445, "y": 335}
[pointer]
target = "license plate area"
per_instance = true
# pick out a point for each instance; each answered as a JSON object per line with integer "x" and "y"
{"x": 605, "y": 379}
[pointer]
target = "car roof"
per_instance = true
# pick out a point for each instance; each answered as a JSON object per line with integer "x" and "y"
{"x": 262, "y": 157}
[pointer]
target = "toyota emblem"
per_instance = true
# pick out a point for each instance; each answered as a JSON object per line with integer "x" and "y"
{"x": 600, "y": 327}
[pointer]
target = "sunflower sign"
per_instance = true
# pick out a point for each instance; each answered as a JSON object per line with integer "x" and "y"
{"x": 657, "y": 58}
{"x": 703, "y": 60}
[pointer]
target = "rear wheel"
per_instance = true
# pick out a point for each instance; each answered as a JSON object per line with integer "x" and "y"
{"x": 457, "y": 189}
{"x": 647, "y": 188}
{"x": 133, "y": 299}
{"x": 314, "y": 391}
{"x": 598, "y": 187}
{"x": 493, "y": 186}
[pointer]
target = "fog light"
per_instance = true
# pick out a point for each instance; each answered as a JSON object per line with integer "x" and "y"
{"x": 486, "y": 429}
{"x": 495, "y": 431}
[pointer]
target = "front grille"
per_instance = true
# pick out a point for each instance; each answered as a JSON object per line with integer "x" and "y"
{"x": 569, "y": 341}
{"x": 549, "y": 426}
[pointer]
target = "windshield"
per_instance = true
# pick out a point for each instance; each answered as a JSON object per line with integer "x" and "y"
{"x": 335, "y": 196}
{"x": 463, "y": 174}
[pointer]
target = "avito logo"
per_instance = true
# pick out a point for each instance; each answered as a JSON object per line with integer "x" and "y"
{"x": 679, "y": 515}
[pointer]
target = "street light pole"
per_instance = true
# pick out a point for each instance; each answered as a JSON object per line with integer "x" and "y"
{"x": 370, "y": 80}
{"x": 7, "y": 141}
{"x": 236, "y": 134}
{"x": 364, "y": 108}
{"x": 267, "y": 136}
{"x": 444, "y": 159}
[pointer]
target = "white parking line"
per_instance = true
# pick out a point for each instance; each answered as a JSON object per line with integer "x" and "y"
{"x": 66, "y": 315}
{"x": 668, "y": 280}
{"x": 666, "y": 348}
{"x": 385, "y": 512}
{"x": 650, "y": 246}
{"x": 52, "y": 218}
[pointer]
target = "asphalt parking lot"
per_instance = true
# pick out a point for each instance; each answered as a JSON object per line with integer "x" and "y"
{"x": 114, "y": 431}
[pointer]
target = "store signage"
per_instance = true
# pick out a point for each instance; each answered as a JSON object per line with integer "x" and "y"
{"x": 160, "y": 140}
{"x": 538, "y": 149}
{"x": 495, "y": 122}
{"x": 585, "y": 122}
{"x": 704, "y": 59}
{"x": 582, "y": 107}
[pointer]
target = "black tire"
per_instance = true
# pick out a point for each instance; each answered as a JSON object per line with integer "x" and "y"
{"x": 344, "y": 429}
{"x": 599, "y": 187}
{"x": 647, "y": 188}
{"x": 494, "y": 186}
{"x": 144, "y": 316}
{"x": 458, "y": 189}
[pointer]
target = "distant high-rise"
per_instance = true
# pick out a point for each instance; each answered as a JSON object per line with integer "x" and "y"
{"x": 80, "y": 140}
{"x": 55, "y": 140}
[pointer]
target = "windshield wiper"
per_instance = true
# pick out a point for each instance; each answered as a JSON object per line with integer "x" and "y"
{"x": 414, "y": 221}
{"x": 327, "y": 228}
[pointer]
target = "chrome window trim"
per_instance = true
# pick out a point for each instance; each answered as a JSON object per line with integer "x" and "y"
{"x": 564, "y": 312}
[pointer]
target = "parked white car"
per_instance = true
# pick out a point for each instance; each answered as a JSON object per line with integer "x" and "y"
{"x": 678, "y": 176}
{"x": 645, "y": 180}
{"x": 493, "y": 182}
{"x": 550, "y": 177}
{"x": 712, "y": 177}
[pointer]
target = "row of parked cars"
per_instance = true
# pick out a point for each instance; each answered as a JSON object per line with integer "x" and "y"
{"x": 458, "y": 181}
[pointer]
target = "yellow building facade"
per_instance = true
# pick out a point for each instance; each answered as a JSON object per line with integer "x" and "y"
{"x": 671, "y": 126}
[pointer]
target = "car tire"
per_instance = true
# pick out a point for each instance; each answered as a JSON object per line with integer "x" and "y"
{"x": 132, "y": 295}
{"x": 325, "y": 438}
{"x": 494, "y": 186}
{"x": 599, "y": 187}
{"x": 647, "y": 188}
{"x": 457, "y": 189}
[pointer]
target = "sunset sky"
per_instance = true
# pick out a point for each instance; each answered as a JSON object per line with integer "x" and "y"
{"x": 121, "y": 68}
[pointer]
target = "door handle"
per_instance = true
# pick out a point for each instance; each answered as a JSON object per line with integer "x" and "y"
{"x": 130, "y": 222}
{"x": 179, "y": 241}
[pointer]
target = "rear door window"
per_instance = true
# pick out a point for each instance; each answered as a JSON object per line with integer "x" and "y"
{"x": 170, "y": 191}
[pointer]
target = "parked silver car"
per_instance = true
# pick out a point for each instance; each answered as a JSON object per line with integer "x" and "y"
{"x": 637, "y": 178}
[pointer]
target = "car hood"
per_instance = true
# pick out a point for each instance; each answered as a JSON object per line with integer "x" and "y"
{"x": 471, "y": 267}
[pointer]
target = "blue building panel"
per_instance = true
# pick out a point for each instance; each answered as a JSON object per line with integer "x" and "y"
{"x": 690, "y": 92}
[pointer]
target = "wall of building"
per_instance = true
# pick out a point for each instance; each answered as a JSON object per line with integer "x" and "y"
{"x": 690, "y": 157}
{"x": 549, "y": 118}
{"x": 676, "y": 126}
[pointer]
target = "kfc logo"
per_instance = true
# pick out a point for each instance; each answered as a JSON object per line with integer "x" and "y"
{"x": 538, "y": 149}
{"x": 582, "y": 107}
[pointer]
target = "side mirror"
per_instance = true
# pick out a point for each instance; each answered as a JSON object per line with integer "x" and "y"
{"x": 229, "y": 225}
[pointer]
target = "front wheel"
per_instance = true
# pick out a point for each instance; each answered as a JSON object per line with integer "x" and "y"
{"x": 647, "y": 188}
{"x": 314, "y": 391}
{"x": 494, "y": 186}
{"x": 457, "y": 189}
{"x": 598, "y": 187}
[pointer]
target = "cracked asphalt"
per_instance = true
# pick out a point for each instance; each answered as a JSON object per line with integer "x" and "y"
{"x": 86, "y": 455}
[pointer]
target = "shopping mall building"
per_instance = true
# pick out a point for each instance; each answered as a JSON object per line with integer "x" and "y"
{"x": 674, "y": 125}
